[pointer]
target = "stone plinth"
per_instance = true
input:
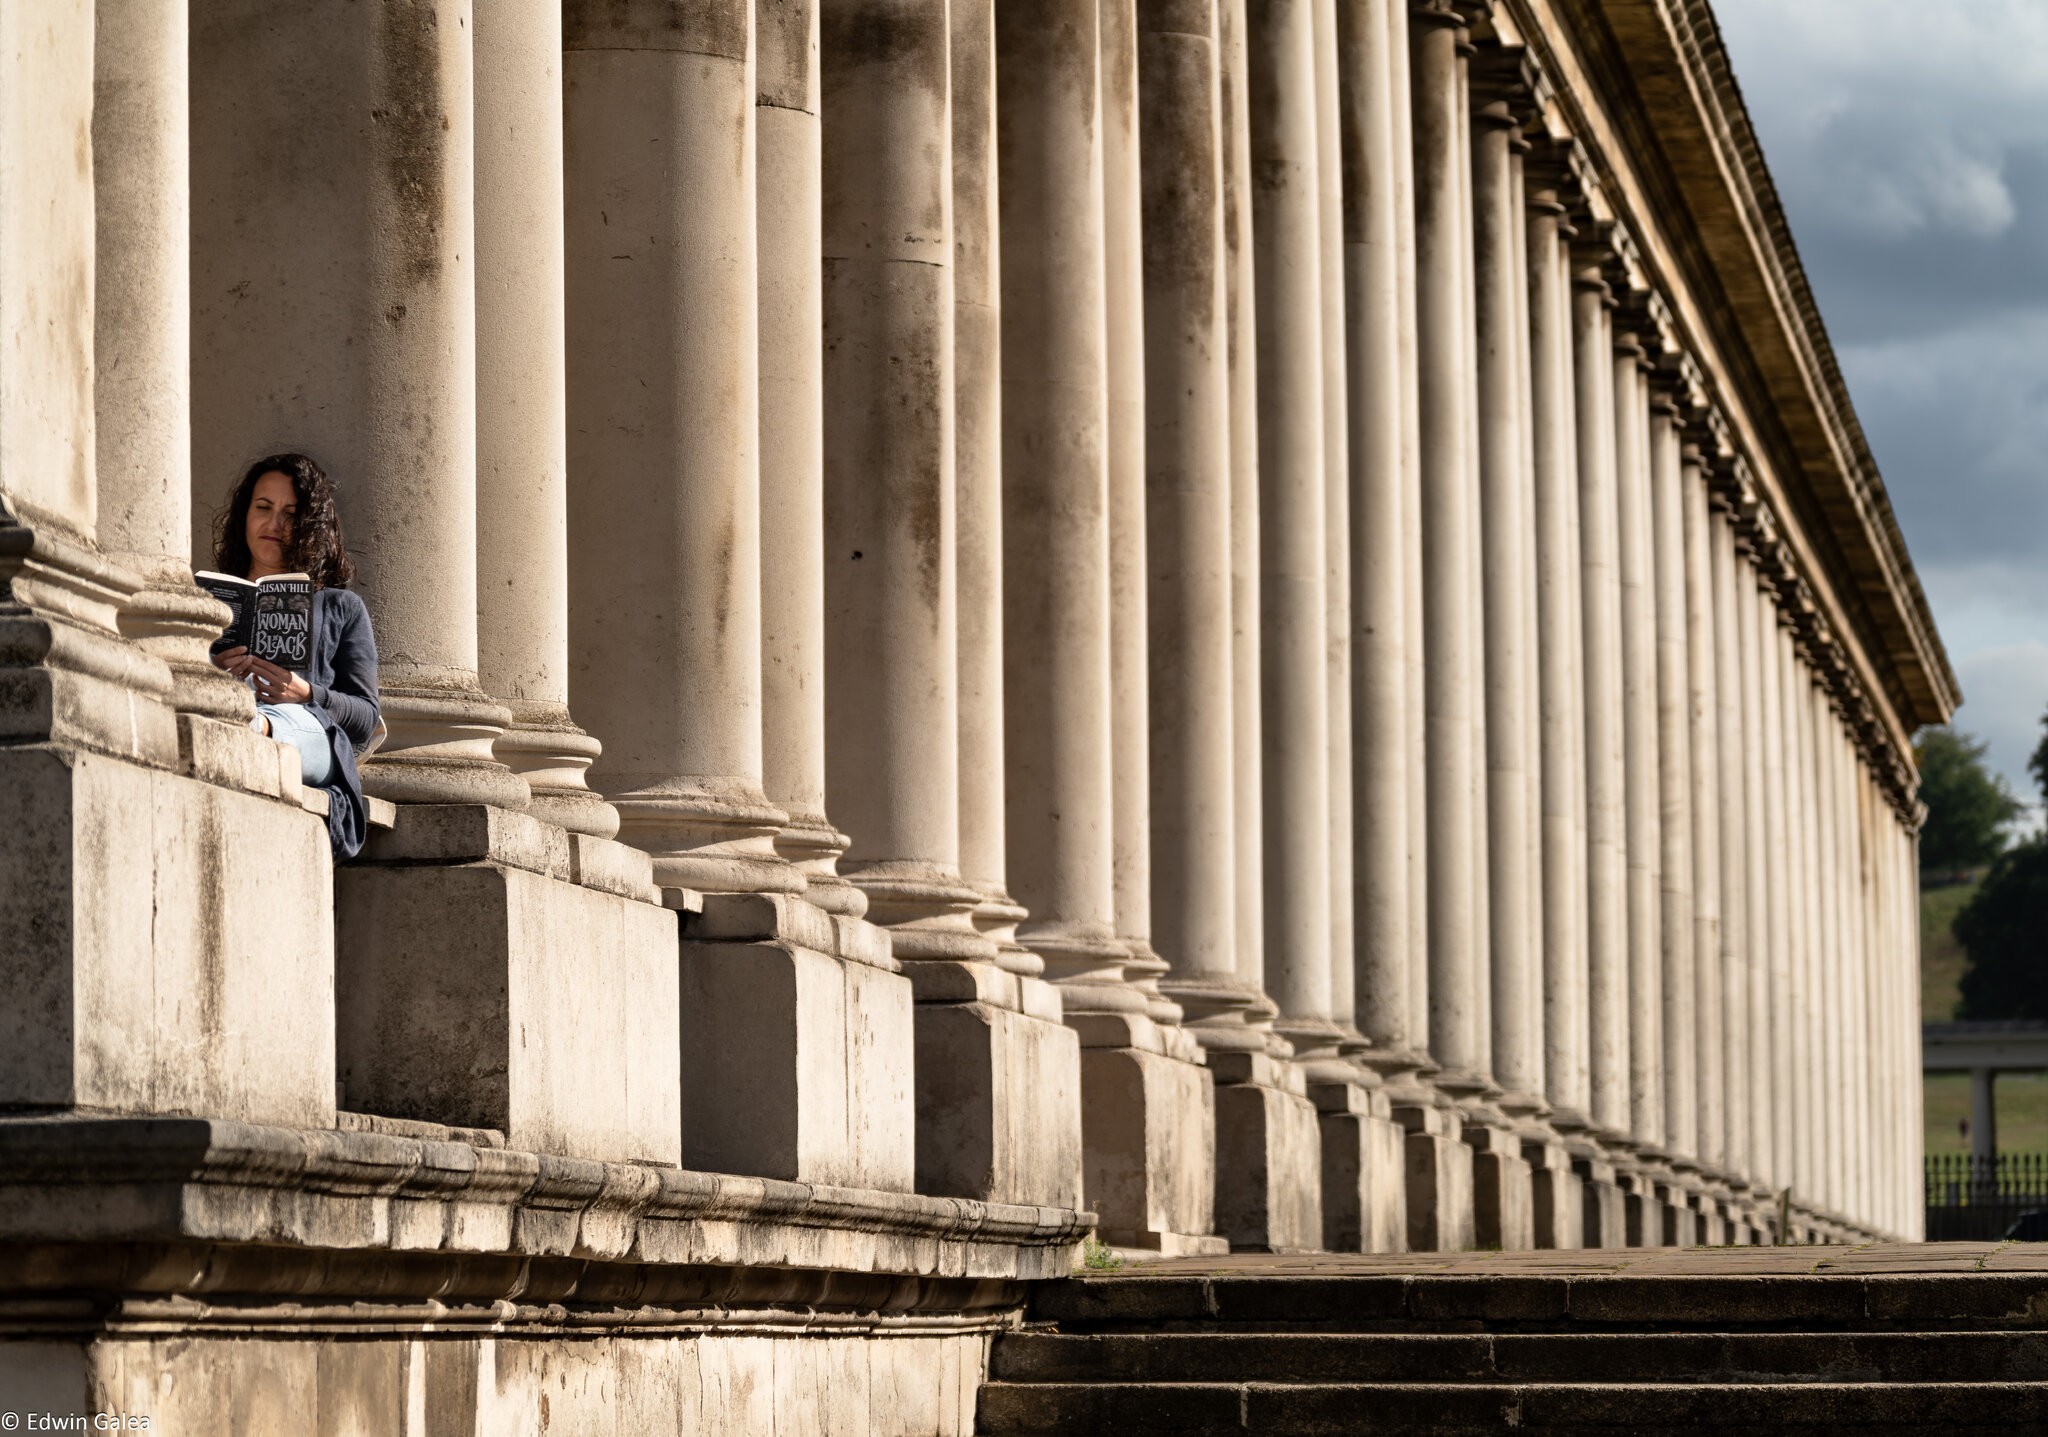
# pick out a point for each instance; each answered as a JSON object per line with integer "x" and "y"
{"x": 1557, "y": 1193}
{"x": 1503, "y": 1197}
{"x": 1268, "y": 1155}
{"x": 495, "y": 971}
{"x": 170, "y": 943}
{"x": 998, "y": 1087}
{"x": 1439, "y": 1170}
{"x": 1365, "y": 1194}
{"x": 1149, "y": 1135}
{"x": 797, "y": 1043}
{"x": 1602, "y": 1202}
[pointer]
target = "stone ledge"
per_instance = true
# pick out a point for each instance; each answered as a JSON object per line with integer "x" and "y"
{"x": 340, "y": 1208}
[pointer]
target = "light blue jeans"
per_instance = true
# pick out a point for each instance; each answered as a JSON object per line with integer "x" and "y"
{"x": 294, "y": 724}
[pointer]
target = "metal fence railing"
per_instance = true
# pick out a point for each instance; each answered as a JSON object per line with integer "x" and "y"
{"x": 1975, "y": 1198}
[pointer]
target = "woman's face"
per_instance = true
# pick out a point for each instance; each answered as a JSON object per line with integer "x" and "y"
{"x": 272, "y": 507}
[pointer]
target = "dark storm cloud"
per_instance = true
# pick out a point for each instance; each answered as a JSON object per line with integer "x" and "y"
{"x": 1909, "y": 142}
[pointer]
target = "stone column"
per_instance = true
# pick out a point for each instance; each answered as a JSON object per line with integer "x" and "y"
{"x": 1676, "y": 747}
{"x": 1606, "y": 832}
{"x": 1240, "y": 298}
{"x": 1763, "y": 1170}
{"x": 890, "y": 677}
{"x": 1292, "y": 558}
{"x": 1057, "y": 679}
{"x": 1508, "y": 587}
{"x": 1123, "y": 302}
{"x": 1451, "y": 678}
{"x": 354, "y": 338}
{"x": 1336, "y": 532}
{"x": 1383, "y": 747}
{"x": 1264, "y": 1124}
{"x": 141, "y": 340}
{"x": 1771, "y": 642}
{"x": 522, "y": 464}
{"x": 1440, "y": 1166}
{"x": 1704, "y": 803}
{"x": 1836, "y": 920}
{"x": 1364, "y": 1187}
{"x": 978, "y": 480}
{"x": 1639, "y": 740}
{"x": 788, "y": 217}
{"x": 1561, "y": 692}
{"x": 1732, "y": 763}
{"x": 1188, "y": 508}
{"x": 664, "y": 575}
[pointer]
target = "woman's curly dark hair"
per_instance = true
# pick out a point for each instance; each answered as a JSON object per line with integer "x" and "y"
{"x": 316, "y": 548}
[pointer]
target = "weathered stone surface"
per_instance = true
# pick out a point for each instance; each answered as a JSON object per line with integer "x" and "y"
{"x": 1148, "y": 1124}
{"x": 1268, "y": 1161}
{"x": 796, "y": 1064}
{"x": 998, "y": 1105}
{"x": 170, "y": 945}
{"x": 1365, "y": 1193}
{"x": 487, "y": 995}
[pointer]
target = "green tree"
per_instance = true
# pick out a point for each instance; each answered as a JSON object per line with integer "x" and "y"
{"x": 2004, "y": 926}
{"x": 1968, "y": 806}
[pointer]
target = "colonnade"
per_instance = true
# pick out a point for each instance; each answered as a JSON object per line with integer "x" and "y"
{"x": 1204, "y": 522}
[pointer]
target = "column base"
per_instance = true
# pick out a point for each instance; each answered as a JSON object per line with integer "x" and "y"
{"x": 441, "y": 748}
{"x": 1438, "y": 1164}
{"x": 1557, "y": 1194}
{"x": 798, "y": 1043}
{"x": 1503, "y": 1196}
{"x": 1365, "y": 1194}
{"x": 170, "y": 943}
{"x": 1268, "y": 1156}
{"x": 999, "y": 1099}
{"x": 1148, "y": 1135}
{"x": 546, "y": 749}
{"x": 475, "y": 948}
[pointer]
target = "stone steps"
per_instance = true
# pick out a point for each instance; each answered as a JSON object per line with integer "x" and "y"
{"x": 1905, "y": 1340}
{"x": 1664, "y": 1358}
{"x": 1953, "y": 1409}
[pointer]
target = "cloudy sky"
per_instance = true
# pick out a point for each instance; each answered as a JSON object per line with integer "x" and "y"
{"x": 1909, "y": 141}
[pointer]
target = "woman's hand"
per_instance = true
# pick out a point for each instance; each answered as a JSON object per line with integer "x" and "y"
{"x": 235, "y": 661}
{"x": 275, "y": 685}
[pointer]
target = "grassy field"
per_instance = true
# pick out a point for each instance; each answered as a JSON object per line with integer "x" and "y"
{"x": 2022, "y": 1112}
{"x": 1941, "y": 957}
{"x": 2022, "y": 1097}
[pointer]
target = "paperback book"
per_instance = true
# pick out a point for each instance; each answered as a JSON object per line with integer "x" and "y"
{"x": 273, "y": 616}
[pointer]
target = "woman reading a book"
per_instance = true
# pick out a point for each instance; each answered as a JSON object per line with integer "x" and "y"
{"x": 281, "y": 520}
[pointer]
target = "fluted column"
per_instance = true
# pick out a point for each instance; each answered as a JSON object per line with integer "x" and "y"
{"x": 1188, "y": 478}
{"x": 1337, "y": 561}
{"x": 891, "y": 691}
{"x": 354, "y": 338}
{"x": 1812, "y": 1127}
{"x": 1508, "y": 591}
{"x": 1123, "y": 302}
{"x": 1733, "y": 760}
{"x": 522, "y": 459}
{"x": 1457, "y": 1040}
{"x": 1639, "y": 741}
{"x": 1606, "y": 831}
{"x": 1771, "y": 643}
{"x": 1676, "y": 746}
{"x": 1561, "y": 691}
{"x": 978, "y": 480}
{"x": 1383, "y": 747}
{"x": 1056, "y": 526}
{"x": 1707, "y": 811}
{"x": 792, "y": 439}
{"x": 141, "y": 338}
{"x": 1292, "y": 558}
{"x": 1834, "y": 922}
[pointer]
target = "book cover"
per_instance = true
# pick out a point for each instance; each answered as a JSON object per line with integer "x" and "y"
{"x": 273, "y": 616}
